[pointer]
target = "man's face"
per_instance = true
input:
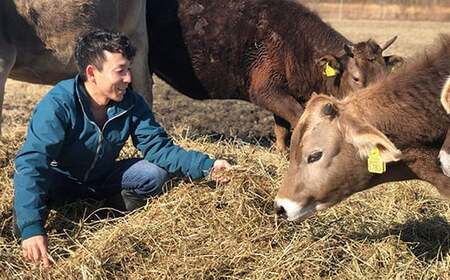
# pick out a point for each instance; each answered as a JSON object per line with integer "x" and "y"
{"x": 113, "y": 80}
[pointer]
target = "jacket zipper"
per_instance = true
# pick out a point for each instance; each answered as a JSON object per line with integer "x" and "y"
{"x": 100, "y": 137}
{"x": 100, "y": 141}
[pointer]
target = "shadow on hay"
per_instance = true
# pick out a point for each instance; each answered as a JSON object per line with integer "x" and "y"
{"x": 428, "y": 239}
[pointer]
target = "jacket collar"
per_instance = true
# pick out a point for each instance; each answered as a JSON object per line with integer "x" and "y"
{"x": 114, "y": 108}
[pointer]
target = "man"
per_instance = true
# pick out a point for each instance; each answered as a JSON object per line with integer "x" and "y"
{"x": 76, "y": 133}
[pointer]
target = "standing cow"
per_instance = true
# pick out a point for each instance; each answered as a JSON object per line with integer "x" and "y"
{"x": 273, "y": 53}
{"x": 398, "y": 121}
{"x": 37, "y": 37}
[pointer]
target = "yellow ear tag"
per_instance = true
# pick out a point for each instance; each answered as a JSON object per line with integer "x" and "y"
{"x": 375, "y": 163}
{"x": 329, "y": 71}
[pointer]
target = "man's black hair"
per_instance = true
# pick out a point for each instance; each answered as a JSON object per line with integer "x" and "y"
{"x": 90, "y": 47}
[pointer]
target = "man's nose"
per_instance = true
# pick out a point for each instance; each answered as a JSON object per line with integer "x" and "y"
{"x": 127, "y": 78}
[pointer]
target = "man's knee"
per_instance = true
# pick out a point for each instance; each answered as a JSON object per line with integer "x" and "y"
{"x": 149, "y": 179}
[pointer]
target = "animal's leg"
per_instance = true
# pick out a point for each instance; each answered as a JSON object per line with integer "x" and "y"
{"x": 142, "y": 80}
{"x": 268, "y": 91}
{"x": 281, "y": 104}
{"x": 7, "y": 60}
{"x": 424, "y": 164}
{"x": 137, "y": 32}
{"x": 285, "y": 107}
{"x": 278, "y": 102}
{"x": 444, "y": 155}
{"x": 282, "y": 131}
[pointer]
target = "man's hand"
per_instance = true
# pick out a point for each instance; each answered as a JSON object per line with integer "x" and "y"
{"x": 219, "y": 166}
{"x": 35, "y": 249}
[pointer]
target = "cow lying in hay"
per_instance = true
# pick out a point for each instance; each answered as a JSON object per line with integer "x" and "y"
{"x": 273, "y": 53}
{"x": 37, "y": 38}
{"x": 398, "y": 121}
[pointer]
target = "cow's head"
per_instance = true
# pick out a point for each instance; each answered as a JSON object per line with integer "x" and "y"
{"x": 356, "y": 66}
{"x": 328, "y": 158}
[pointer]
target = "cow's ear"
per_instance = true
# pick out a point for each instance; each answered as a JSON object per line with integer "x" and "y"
{"x": 393, "y": 62}
{"x": 349, "y": 50}
{"x": 445, "y": 96}
{"x": 329, "y": 65}
{"x": 365, "y": 137}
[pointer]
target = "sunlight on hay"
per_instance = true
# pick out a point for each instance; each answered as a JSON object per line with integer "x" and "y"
{"x": 204, "y": 230}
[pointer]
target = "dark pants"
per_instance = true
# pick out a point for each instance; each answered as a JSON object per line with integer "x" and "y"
{"x": 137, "y": 175}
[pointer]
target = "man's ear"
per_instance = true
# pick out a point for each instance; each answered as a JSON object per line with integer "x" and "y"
{"x": 365, "y": 137}
{"x": 445, "y": 96}
{"x": 393, "y": 62}
{"x": 89, "y": 71}
{"x": 327, "y": 61}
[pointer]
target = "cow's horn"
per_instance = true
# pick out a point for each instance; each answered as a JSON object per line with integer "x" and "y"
{"x": 389, "y": 43}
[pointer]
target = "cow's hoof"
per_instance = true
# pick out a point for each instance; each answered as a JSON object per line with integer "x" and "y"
{"x": 444, "y": 158}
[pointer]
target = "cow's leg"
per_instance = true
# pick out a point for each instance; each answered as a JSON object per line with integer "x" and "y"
{"x": 134, "y": 22}
{"x": 424, "y": 164}
{"x": 268, "y": 91}
{"x": 444, "y": 155}
{"x": 282, "y": 105}
{"x": 282, "y": 131}
{"x": 142, "y": 80}
{"x": 7, "y": 60}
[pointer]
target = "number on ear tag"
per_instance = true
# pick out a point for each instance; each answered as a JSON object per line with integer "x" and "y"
{"x": 375, "y": 163}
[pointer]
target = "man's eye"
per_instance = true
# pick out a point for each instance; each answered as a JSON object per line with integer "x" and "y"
{"x": 315, "y": 156}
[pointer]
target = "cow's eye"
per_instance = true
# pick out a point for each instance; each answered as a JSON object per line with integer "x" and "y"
{"x": 355, "y": 79}
{"x": 314, "y": 156}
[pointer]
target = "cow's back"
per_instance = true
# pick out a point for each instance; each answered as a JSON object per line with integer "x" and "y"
{"x": 205, "y": 48}
{"x": 197, "y": 46}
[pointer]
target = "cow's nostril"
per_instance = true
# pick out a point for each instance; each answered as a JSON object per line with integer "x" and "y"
{"x": 280, "y": 210}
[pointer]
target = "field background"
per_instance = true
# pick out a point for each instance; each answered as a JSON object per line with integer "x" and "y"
{"x": 199, "y": 230}
{"x": 430, "y": 10}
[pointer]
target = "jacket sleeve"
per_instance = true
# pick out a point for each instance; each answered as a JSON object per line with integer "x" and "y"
{"x": 32, "y": 177}
{"x": 157, "y": 147}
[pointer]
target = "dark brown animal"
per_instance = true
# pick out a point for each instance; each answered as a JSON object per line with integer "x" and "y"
{"x": 37, "y": 37}
{"x": 400, "y": 116}
{"x": 272, "y": 53}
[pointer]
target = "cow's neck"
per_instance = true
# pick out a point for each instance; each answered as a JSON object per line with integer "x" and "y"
{"x": 395, "y": 171}
{"x": 404, "y": 106}
{"x": 306, "y": 25}
{"x": 326, "y": 40}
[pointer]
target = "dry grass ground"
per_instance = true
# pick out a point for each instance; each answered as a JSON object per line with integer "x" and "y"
{"x": 199, "y": 230}
{"x": 382, "y": 10}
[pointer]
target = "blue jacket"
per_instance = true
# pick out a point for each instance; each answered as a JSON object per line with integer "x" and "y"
{"x": 62, "y": 131}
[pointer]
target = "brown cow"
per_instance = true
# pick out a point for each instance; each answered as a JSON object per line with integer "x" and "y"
{"x": 401, "y": 116}
{"x": 272, "y": 53}
{"x": 37, "y": 37}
